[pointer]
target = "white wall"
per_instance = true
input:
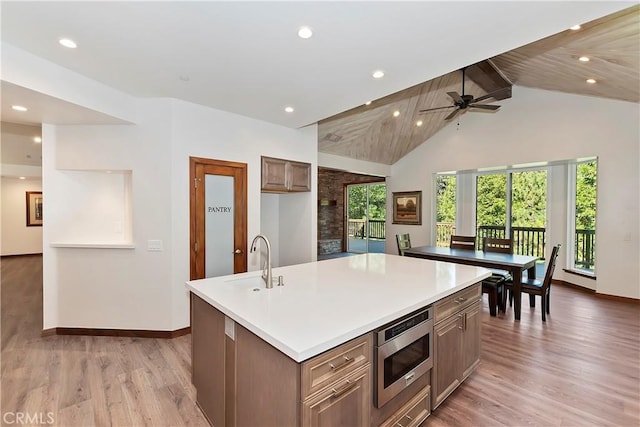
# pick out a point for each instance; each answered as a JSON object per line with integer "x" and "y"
{"x": 111, "y": 288}
{"x": 135, "y": 288}
{"x": 535, "y": 126}
{"x": 17, "y": 238}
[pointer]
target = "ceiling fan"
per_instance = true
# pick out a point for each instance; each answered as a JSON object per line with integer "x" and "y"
{"x": 464, "y": 101}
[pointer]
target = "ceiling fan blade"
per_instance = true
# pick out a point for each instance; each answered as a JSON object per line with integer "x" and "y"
{"x": 456, "y": 97}
{"x": 437, "y": 108}
{"x": 484, "y": 106}
{"x": 453, "y": 114}
{"x": 490, "y": 94}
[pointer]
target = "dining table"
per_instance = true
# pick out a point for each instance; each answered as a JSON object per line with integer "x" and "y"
{"x": 514, "y": 264}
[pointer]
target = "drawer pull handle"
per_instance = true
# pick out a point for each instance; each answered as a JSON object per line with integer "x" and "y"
{"x": 409, "y": 417}
{"x": 398, "y": 424}
{"x": 347, "y": 386}
{"x": 347, "y": 360}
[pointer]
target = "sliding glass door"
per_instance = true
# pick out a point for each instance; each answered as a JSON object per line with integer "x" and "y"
{"x": 366, "y": 217}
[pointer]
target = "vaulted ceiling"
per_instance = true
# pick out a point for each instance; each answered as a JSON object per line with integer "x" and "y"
{"x": 612, "y": 44}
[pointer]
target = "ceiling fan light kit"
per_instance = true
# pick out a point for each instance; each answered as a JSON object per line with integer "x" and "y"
{"x": 464, "y": 101}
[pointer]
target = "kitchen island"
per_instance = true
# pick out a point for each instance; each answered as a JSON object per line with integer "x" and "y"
{"x": 259, "y": 355}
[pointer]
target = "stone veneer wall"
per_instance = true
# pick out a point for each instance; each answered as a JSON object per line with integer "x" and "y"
{"x": 331, "y": 186}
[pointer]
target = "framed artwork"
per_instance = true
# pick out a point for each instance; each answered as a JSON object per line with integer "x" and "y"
{"x": 407, "y": 207}
{"x": 34, "y": 208}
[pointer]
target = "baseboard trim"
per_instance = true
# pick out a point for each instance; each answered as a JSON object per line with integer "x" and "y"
{"x": 630, "y": 300}
{"x": 593, "y": 292}
{"x": 134, "y": 333}
{"x": 572, "y": 285}
{"x": 21, "y": 255}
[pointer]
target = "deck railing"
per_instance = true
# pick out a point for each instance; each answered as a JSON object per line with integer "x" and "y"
{"x": 527, "y": 240}
{"x": 444, "y": 231}
{"x": 585, "y": 249}
{"x": 356, "y": 228}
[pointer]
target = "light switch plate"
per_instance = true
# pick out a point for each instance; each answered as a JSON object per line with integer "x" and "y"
{"x": 154, "y": 245}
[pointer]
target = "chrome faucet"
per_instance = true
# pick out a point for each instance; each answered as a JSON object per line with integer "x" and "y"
{"x": 266, "y": 270}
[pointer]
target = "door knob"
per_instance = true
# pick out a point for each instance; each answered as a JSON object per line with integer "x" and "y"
{"x": 237, "y": 251}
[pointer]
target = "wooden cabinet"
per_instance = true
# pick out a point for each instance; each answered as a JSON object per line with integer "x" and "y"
{"x": 456, "y": 341}
{"x": 285, "y": 176}
{"x": 241, "y": 380}
{"x": 336, "y": 386}
{"x": 414, "y": 412}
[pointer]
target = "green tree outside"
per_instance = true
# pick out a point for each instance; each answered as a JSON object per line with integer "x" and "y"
{"x": 586, "y": 186}
{"x": 377, "y": 201}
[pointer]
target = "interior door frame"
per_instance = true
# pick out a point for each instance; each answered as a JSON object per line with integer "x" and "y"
{"x": 197, "y": 248}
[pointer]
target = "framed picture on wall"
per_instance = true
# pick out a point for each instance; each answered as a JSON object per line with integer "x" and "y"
{"x": 407, "y": 207}
{"x": 34, "y": 208}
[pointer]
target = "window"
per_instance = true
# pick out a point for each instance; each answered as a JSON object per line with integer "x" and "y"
{"x": 445, "y": 208}
{"x": 513, "y": 205}
{"x": 582, "y": 208}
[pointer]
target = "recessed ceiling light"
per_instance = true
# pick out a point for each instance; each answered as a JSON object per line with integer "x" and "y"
{"x": 591, "y": 81}
{"x": 22, "y": 177}
{"x": 367, "y": 103}
{"x": 19, "y": 108}
{"x": 305, "y": 32}
{"x": 378, "y": 74}
{"x": 396, "y": 113}
{"x": 68, "y": 43}
{"x": 575, "y": 27}
{"x": 419, "y": 123}
{"x": 288, "y": 109}
{"x": 37, "y": 139}
{"x": 583, "y": 59}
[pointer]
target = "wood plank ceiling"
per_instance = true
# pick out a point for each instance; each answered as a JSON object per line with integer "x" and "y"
{"x": 612, "y": 44}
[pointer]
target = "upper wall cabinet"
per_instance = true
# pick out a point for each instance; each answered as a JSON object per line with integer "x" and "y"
{"x": 285, "y": 176}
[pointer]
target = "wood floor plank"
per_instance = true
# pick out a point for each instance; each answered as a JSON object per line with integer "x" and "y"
{"x": 580, "y": 368}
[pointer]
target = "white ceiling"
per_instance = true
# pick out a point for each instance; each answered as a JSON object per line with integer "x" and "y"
{"x": 245, "y": 57}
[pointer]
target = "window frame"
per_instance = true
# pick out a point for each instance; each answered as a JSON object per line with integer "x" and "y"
{"x": 572, "y": 178}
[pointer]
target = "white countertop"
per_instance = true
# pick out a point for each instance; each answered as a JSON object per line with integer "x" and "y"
{"x": 326, "y": 303}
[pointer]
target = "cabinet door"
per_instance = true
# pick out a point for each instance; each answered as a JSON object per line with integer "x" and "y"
{"x": 208, "y": 359}
{"x": 299, "y": 176}
{"x": 345, "y": 403}
{"x": 446, "y": 364}
{"x": 274, "y": 175}
{"x": 471, "y": 323}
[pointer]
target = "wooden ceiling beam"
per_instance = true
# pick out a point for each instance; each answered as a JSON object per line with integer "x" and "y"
{"x": 487, "y": 76}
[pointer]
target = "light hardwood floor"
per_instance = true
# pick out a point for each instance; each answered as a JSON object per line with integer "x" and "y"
{"x": 581, "y": 368}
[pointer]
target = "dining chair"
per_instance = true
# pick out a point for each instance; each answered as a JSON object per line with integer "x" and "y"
{"x": 462, "y": 242}
{"x": 494, "y": 285}
{"x": 533, "y": 286}
{"x": 404, "y": 243}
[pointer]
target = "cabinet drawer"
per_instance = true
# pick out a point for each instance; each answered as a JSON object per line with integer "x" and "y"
{"x": 335, "y": 364}
{"x": 345, "y": 403}
{"x": 457, "y": 301}
{"x": 413, "y": 412}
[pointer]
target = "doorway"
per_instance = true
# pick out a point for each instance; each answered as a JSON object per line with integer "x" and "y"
{"x": 366, "y": 217}
{"x": 218, "y": 217}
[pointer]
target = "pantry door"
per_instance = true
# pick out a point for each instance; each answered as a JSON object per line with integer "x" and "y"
{"x": 218, "y": 217}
